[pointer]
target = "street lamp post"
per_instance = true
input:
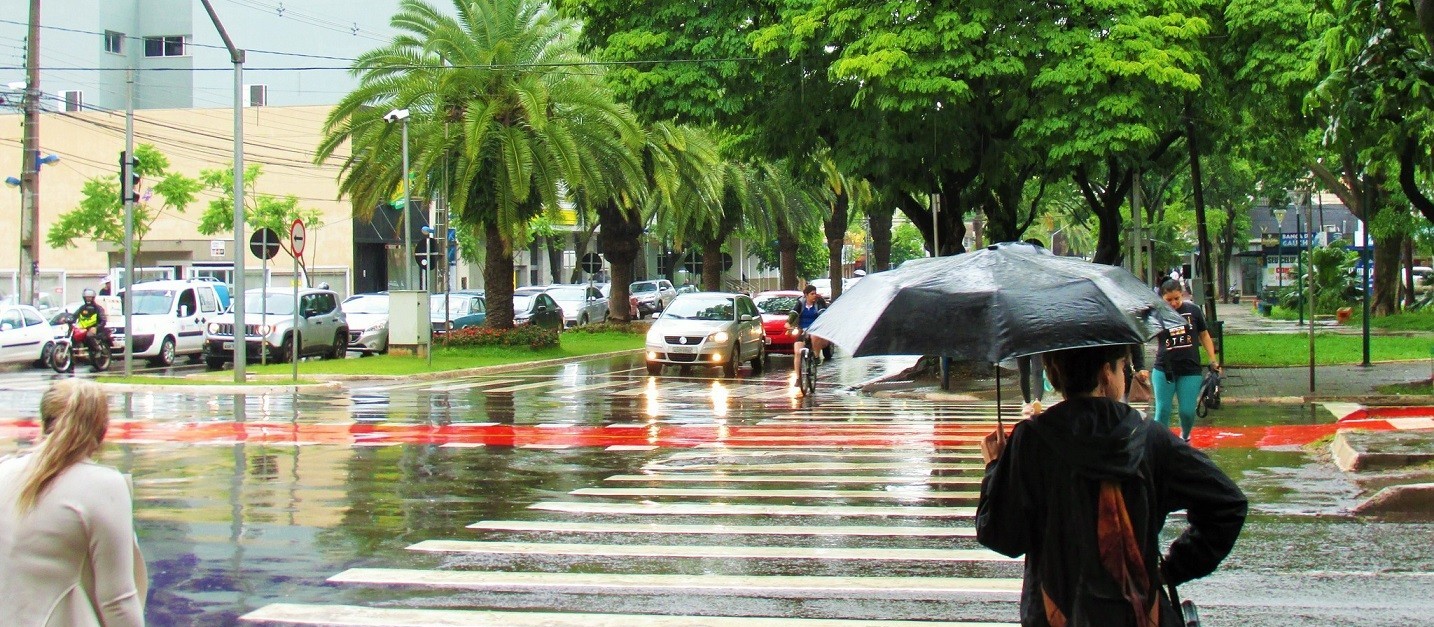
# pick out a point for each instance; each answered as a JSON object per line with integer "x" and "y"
{"x": 401, "y": 116}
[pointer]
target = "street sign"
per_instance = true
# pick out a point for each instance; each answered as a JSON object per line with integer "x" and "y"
{"x": 297, "y": 233}
{"x": 726, "y": 262}
{"x": 693, "y": 264}
{"x": 427, "y": 252}
{"x": 264, "y": 243}
{"x": 592, "y": 263}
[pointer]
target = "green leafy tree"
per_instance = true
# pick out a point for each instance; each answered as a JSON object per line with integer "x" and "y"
{"x": 906, "y": 244}
{"x": 261, "y": 211}
{"x": 100, "y": 215}
{"x": 501, "y": 123}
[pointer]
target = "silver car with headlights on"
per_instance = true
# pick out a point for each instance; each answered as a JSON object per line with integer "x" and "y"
{"x": 711, "y": 329}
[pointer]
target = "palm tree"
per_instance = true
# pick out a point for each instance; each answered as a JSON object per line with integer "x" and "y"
{"x": 499, "y": 121}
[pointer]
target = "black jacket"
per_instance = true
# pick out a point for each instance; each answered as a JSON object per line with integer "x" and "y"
{"x": 1039, "y": 499}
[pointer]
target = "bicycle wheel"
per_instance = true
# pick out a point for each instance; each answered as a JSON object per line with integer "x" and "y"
{"x": 809, "y": 372}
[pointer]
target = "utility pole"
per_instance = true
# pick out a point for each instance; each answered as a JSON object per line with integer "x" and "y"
{"x": 126, "y": 180}
{"x": 30, "y": 163}
{"x": 240, "y": 334}
{"x": 1206, "y": 269}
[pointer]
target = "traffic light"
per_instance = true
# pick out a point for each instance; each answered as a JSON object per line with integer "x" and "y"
{"x": 128, "y": 174}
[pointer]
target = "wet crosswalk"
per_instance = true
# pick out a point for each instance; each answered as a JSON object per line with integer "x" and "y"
{"x": 852, "y": 513}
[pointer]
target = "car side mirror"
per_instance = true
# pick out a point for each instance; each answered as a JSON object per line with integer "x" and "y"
{"x": 745, "y": 318}
{"x": 184, "y": 311}
{"x": 656, "y": 315}
{"x": 6, "y": 326}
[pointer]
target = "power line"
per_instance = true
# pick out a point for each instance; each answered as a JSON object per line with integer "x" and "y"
{"x": 186, "y": 43}
{"x": 496, "y": 67}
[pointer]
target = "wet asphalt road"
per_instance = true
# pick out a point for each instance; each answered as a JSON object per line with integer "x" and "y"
{"x": 247, "y": 501}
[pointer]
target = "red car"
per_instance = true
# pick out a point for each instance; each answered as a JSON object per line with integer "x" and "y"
{"x": 775, "y": 306}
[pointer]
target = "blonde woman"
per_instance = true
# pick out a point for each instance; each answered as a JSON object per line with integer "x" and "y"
{"x": 67, "y": 547}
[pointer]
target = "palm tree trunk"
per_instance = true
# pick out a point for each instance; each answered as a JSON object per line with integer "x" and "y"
{"x": 787, "y": 254}
{"x": 555, "y": 257}
{"x": 835, "y": 227}
{"x": 498, "y": 278}
{"x": 620, "y": 240}
{"x": 712, "y": 265}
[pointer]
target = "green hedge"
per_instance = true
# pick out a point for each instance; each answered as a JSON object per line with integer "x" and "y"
{"x": 532, "y": 336}
{"x": 630, "y": 328}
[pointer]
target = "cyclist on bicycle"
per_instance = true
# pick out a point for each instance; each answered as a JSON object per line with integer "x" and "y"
{"x": 802, "y": 317}
{"x": 90, "y": 318}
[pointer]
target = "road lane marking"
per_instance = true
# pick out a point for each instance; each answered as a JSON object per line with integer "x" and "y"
{"x": 631, "y": 447}
{"x": 526, "y": 386}
{"x": 726, "y": 478}
{"x": 709, "y": 454}
{"x": 723, "y": 493}
{"x": 774, "y": 530}
{"x": 358, "y": 616}
{"x": 816, "y": 466}
{"x": 468, "y": 385}
{"x": 710, "y": 552}
{"x": 799, "y": 586}
{"x": 725, "y": 509}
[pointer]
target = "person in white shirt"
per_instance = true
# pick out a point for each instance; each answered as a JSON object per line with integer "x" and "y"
{"x": 68, "y": 553}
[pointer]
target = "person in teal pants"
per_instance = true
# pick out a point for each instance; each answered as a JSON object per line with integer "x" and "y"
{"x": 1177, "y": 361}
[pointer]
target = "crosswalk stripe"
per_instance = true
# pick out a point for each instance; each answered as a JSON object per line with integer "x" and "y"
{"x": 528, "y": 386}
{"x": 357, "y": 616}
{"x": 595, "y": 386}
{"x": 468, "y": 385}
{"x": 722, "y": 493}
{"x": 709, "y": 552}
{"x": 767, "y": 586}
{"x": 775, "y": 530}
{"x": 816, "y": 466}
{"x": 725, "y": 509}
{"x": 726, "y": 478}
{"x": 914, "y": 450}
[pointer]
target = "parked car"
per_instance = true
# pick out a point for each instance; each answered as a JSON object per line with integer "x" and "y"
{"x": 367, "y": 316}
{"x": 169, "y": 319}
{"x": 465, "y": 308}
{"x": 532, "y": 306}
{"x": 775, "y": 307}
{"x": 581, "y": 304}
{"x": 709, "y": 329}
{"x": 26, "y": 337}
{"x": 269, "y": 327}
{"x": 652, "y": 296}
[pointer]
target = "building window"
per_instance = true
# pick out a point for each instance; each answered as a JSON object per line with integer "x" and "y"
{"x": 74, "y": 100}
{"x": 114, "y": 42}
{"x": 168, "y": 46}
{"x": 258, "y": 96}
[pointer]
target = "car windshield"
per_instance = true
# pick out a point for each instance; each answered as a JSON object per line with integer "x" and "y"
{"x": 702, "y": 308}
{"x": 153, "y": 302}
{"x": 777, "y": 304}
{"x": 638, "y": 288}
{"x": 569, "y": 294}
{"x": 367, "y": 305}
{"x": 278, "y": 304}
{"x": 520, "y": 302}
{"x": 457, "y": 306}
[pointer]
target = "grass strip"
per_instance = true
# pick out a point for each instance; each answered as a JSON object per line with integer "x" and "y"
{"x": 445, "y": 359}
{"x": 1275, "y": 349}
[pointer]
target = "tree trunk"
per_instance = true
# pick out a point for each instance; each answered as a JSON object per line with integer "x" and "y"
{"x": 1223, "y": 255}
{"x": 1386, "y": 275}
{"x": 498, "y": 278}
{"x": 879, "y": 222}
{"x": 619, "y": 241}
{"x": 712, "y": 265}
{"x": 555, "y": 257}
{"x": 1105, "y": 203}
{"x": 787, "y": 253}
{"x": 835, "y": 227}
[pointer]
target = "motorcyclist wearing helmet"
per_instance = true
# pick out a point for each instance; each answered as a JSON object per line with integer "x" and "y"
{"x": 90, "y": 318}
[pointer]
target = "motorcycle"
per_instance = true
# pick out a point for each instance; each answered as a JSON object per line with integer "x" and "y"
{"x": 71, "y": 347}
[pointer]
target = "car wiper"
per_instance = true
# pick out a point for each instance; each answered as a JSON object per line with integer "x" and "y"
{"x": 676, "y": 316}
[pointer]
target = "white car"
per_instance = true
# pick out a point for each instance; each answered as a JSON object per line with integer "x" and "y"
{"x": 707, "y": 329}
{"x": 169, "y": 319}
{"x": 25, "y": 336}
{"x": 581, "y": 304}
{"x": 367, "y": 315}
{"x": 652, "y": 296}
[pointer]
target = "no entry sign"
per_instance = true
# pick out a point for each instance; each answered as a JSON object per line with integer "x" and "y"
{"x": 296, "y": 237}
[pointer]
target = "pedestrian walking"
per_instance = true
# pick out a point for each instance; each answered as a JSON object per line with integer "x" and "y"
{"x": 1083, "y": 490}
{"x": 1177, "y": 361}
{"x": 68, "y": 554}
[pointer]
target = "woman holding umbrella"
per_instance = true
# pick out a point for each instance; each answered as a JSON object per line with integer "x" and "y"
{"x": 1177, "y": 360}
{"x": 1083, "y": 490}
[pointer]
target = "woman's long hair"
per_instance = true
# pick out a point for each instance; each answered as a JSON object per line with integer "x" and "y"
{"x": 73, "y": 420}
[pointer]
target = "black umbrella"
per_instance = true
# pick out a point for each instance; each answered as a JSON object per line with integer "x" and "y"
{"x": 992, "y": 304}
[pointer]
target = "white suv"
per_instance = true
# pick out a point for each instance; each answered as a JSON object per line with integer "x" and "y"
{"x": 323, "y": 328}
{"x": 169, "y": 319}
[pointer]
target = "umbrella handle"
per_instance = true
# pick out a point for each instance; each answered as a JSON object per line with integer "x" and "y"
{"x": 1000, "y": 424}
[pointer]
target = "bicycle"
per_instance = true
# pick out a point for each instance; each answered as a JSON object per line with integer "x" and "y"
{"x": 806, "y": 367}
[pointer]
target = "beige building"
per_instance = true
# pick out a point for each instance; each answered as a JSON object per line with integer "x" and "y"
{"x": 280, "y": 139}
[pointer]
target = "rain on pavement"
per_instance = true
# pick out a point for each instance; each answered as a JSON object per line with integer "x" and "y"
{"x": 591, "y": 494}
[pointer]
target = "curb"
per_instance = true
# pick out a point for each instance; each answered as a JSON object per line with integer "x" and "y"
{"x": 224, "y": 388}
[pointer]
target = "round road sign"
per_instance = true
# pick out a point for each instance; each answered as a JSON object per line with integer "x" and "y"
{"x": 592, "y": 263}
{"x": 264, "y": 243}
{"x": 296, "y": 237}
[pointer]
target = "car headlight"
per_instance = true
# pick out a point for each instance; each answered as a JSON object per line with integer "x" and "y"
{"x": 214, "y": 328}
{"x": 720, "y": 336}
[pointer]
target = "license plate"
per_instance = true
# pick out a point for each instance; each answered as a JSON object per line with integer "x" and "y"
{"x": 682, "y": 349}
{"x": 229, "y": 346}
